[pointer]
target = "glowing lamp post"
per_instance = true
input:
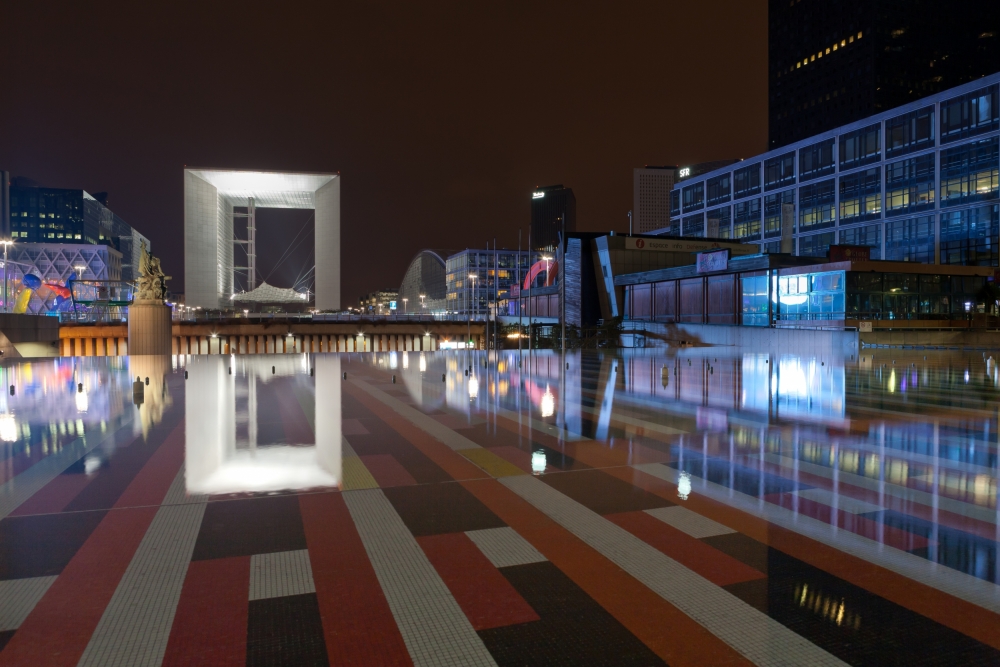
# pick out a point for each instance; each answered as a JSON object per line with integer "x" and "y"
{"x": 404, "y": 304}
{"x": 6, "y": 244}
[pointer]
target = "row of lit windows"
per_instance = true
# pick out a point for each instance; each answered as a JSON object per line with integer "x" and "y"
{"x": 905, "y": 134}
{"x": 821, "y": 52}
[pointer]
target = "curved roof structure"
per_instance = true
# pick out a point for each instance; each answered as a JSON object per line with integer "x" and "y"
{"x": 265, "y": 293}
{"x": 425, "y": 275}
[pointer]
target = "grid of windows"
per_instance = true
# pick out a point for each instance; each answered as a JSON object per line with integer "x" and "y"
{"x": 867, "y": 235}
{"x": 817, "y": 245}
{"x": 816, "y": 206}
{"x": 970, "y": 236}
{"x": 694, "y": 225}
{"x": 909, "y": 185}
{"x": 970, "y": 114}
{"x": 909, "y": 132}
{"x": 861, "y": 196}
{"x": 903, "y": 182}
{"x": 720, "y": 223}
{"x": 746, "y": 220}
{"x": 816, "y": 160}
{"x": 969, "y": 172}
{"x": 746, "y": 181}
{"x": 861, "y": 147}
{"x": 675, "y": 203}
{"x": 910, "y": 240}
{"x": 694, "y": 197}
{"x": 772, "y": 211}
{"x": 718, "y": 190}
{"x": 779, "y": 171}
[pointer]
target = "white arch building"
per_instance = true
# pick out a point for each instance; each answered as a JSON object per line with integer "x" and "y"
{"x": 209, "y": 198}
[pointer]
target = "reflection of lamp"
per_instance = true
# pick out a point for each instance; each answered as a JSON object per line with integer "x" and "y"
{"x": 473, "y": 387}
{"x": 548, "y": 403}
{"x": 81, "y": 401}
{"x": 538, "y": 462}
{"x": 8, "y": 428}
{"x": 423, "y": 363}
{"x": 684, "y": 486}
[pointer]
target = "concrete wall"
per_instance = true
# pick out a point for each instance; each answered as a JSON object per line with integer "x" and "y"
{"x": 758, "y": 338}
{"x": 201, "y": 242}
{"x": 328, "y": 246}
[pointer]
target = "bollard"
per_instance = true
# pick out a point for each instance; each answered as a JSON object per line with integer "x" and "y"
{"x": 147, "y": 382}
{"x": 394, "y": 379}
{"x": 12, "y": 390}
{"x": 466, "y": 373}
{"x": 312, "y": 371}
{"x": 345, "y": 375}
{"x": 272, "y": 370}
{"x": 442, "y": 377}
{"x": 230, "y": 370}
{"x": 185, "y": 375}
{"x": 79, "y": 388}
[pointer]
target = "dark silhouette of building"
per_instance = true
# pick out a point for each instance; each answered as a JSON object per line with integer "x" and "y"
{"x": 837, "y": 61}
{"x": 548, "y": 206}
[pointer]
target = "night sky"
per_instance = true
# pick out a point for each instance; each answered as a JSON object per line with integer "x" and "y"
{"x": 441, "y": 117}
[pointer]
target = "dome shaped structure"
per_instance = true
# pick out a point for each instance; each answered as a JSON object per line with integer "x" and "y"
{"x": 425, "y": 276}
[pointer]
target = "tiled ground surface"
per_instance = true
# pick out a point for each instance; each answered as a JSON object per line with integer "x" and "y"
{"x": 637, "y": 510}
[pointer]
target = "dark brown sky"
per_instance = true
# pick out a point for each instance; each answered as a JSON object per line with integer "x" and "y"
{"x": 441, "y": 116}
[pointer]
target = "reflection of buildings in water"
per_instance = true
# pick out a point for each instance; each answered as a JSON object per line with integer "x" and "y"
{"x": 783, "y": 385}
{"x": 156, "y": 397}
{"x": 214, "y": 463}
{"x": 892, "y": 454}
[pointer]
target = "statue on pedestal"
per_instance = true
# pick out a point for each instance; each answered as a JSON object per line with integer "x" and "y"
{"x": 152, "y": 282}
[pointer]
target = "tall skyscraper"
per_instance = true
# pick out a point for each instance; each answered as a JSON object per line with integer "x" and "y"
{"x": 651, "y": 188}
{"x": 548, "y": 206}
{"x": 833, "y": 62}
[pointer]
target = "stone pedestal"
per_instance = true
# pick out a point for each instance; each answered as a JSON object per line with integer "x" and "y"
{"x": 148, "y": 328}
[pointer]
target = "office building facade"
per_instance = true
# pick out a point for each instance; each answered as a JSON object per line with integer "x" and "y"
{"x": 917, "y": 183}
{"x": 495, "y": 273}
{"x": 549, "y": 205}
{"x": 651, "y": 188}
{"x": 835, "y": 62}
{"x": 71, "y": 216}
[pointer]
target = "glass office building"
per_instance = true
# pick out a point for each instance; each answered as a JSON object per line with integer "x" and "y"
{"x": 61, "y": 215}
{"x": 918, "y": 183}
{"x": 494, "y": 271}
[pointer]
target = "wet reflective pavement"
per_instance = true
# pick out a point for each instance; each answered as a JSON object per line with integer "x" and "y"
{"x": 692, "y": 507}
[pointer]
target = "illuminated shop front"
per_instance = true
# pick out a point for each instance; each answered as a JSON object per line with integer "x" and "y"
{"x": 757, "y": 290}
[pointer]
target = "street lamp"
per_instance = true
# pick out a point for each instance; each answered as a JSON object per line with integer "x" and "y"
{"x": 422, "y": 300}
{"x": 405, "y": 299}
{"x": 468, "y": 311}
{"x": 6, "y": 244}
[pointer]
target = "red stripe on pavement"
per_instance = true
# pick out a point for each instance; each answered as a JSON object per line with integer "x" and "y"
{"x": 210, "y": 627}
{"x": 859, "y": 525}
{"x": 387, "y": 471}
{"x": 58, "y": 629}
{"x": 486, "y": 597}
{"x": 351, "y": 602}
{"x": 719, "y": 568}
{"x": 54, "y": 496}
{"x": 151, "y": 483}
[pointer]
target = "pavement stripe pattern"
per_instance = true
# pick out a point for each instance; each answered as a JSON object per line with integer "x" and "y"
{"x": 433, "y": 626}
{"x": 136, "y": 624}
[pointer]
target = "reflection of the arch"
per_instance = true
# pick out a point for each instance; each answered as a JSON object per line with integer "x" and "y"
{"x": 217, "y": 463}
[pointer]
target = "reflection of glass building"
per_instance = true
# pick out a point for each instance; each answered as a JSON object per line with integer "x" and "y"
{"x": 918, "y": 183}
{"x": 495, "y": 272}
{"x": 59, "y": 215}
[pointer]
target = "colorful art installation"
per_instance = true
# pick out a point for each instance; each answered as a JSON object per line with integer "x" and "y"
{"x": 32, "y": 283}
